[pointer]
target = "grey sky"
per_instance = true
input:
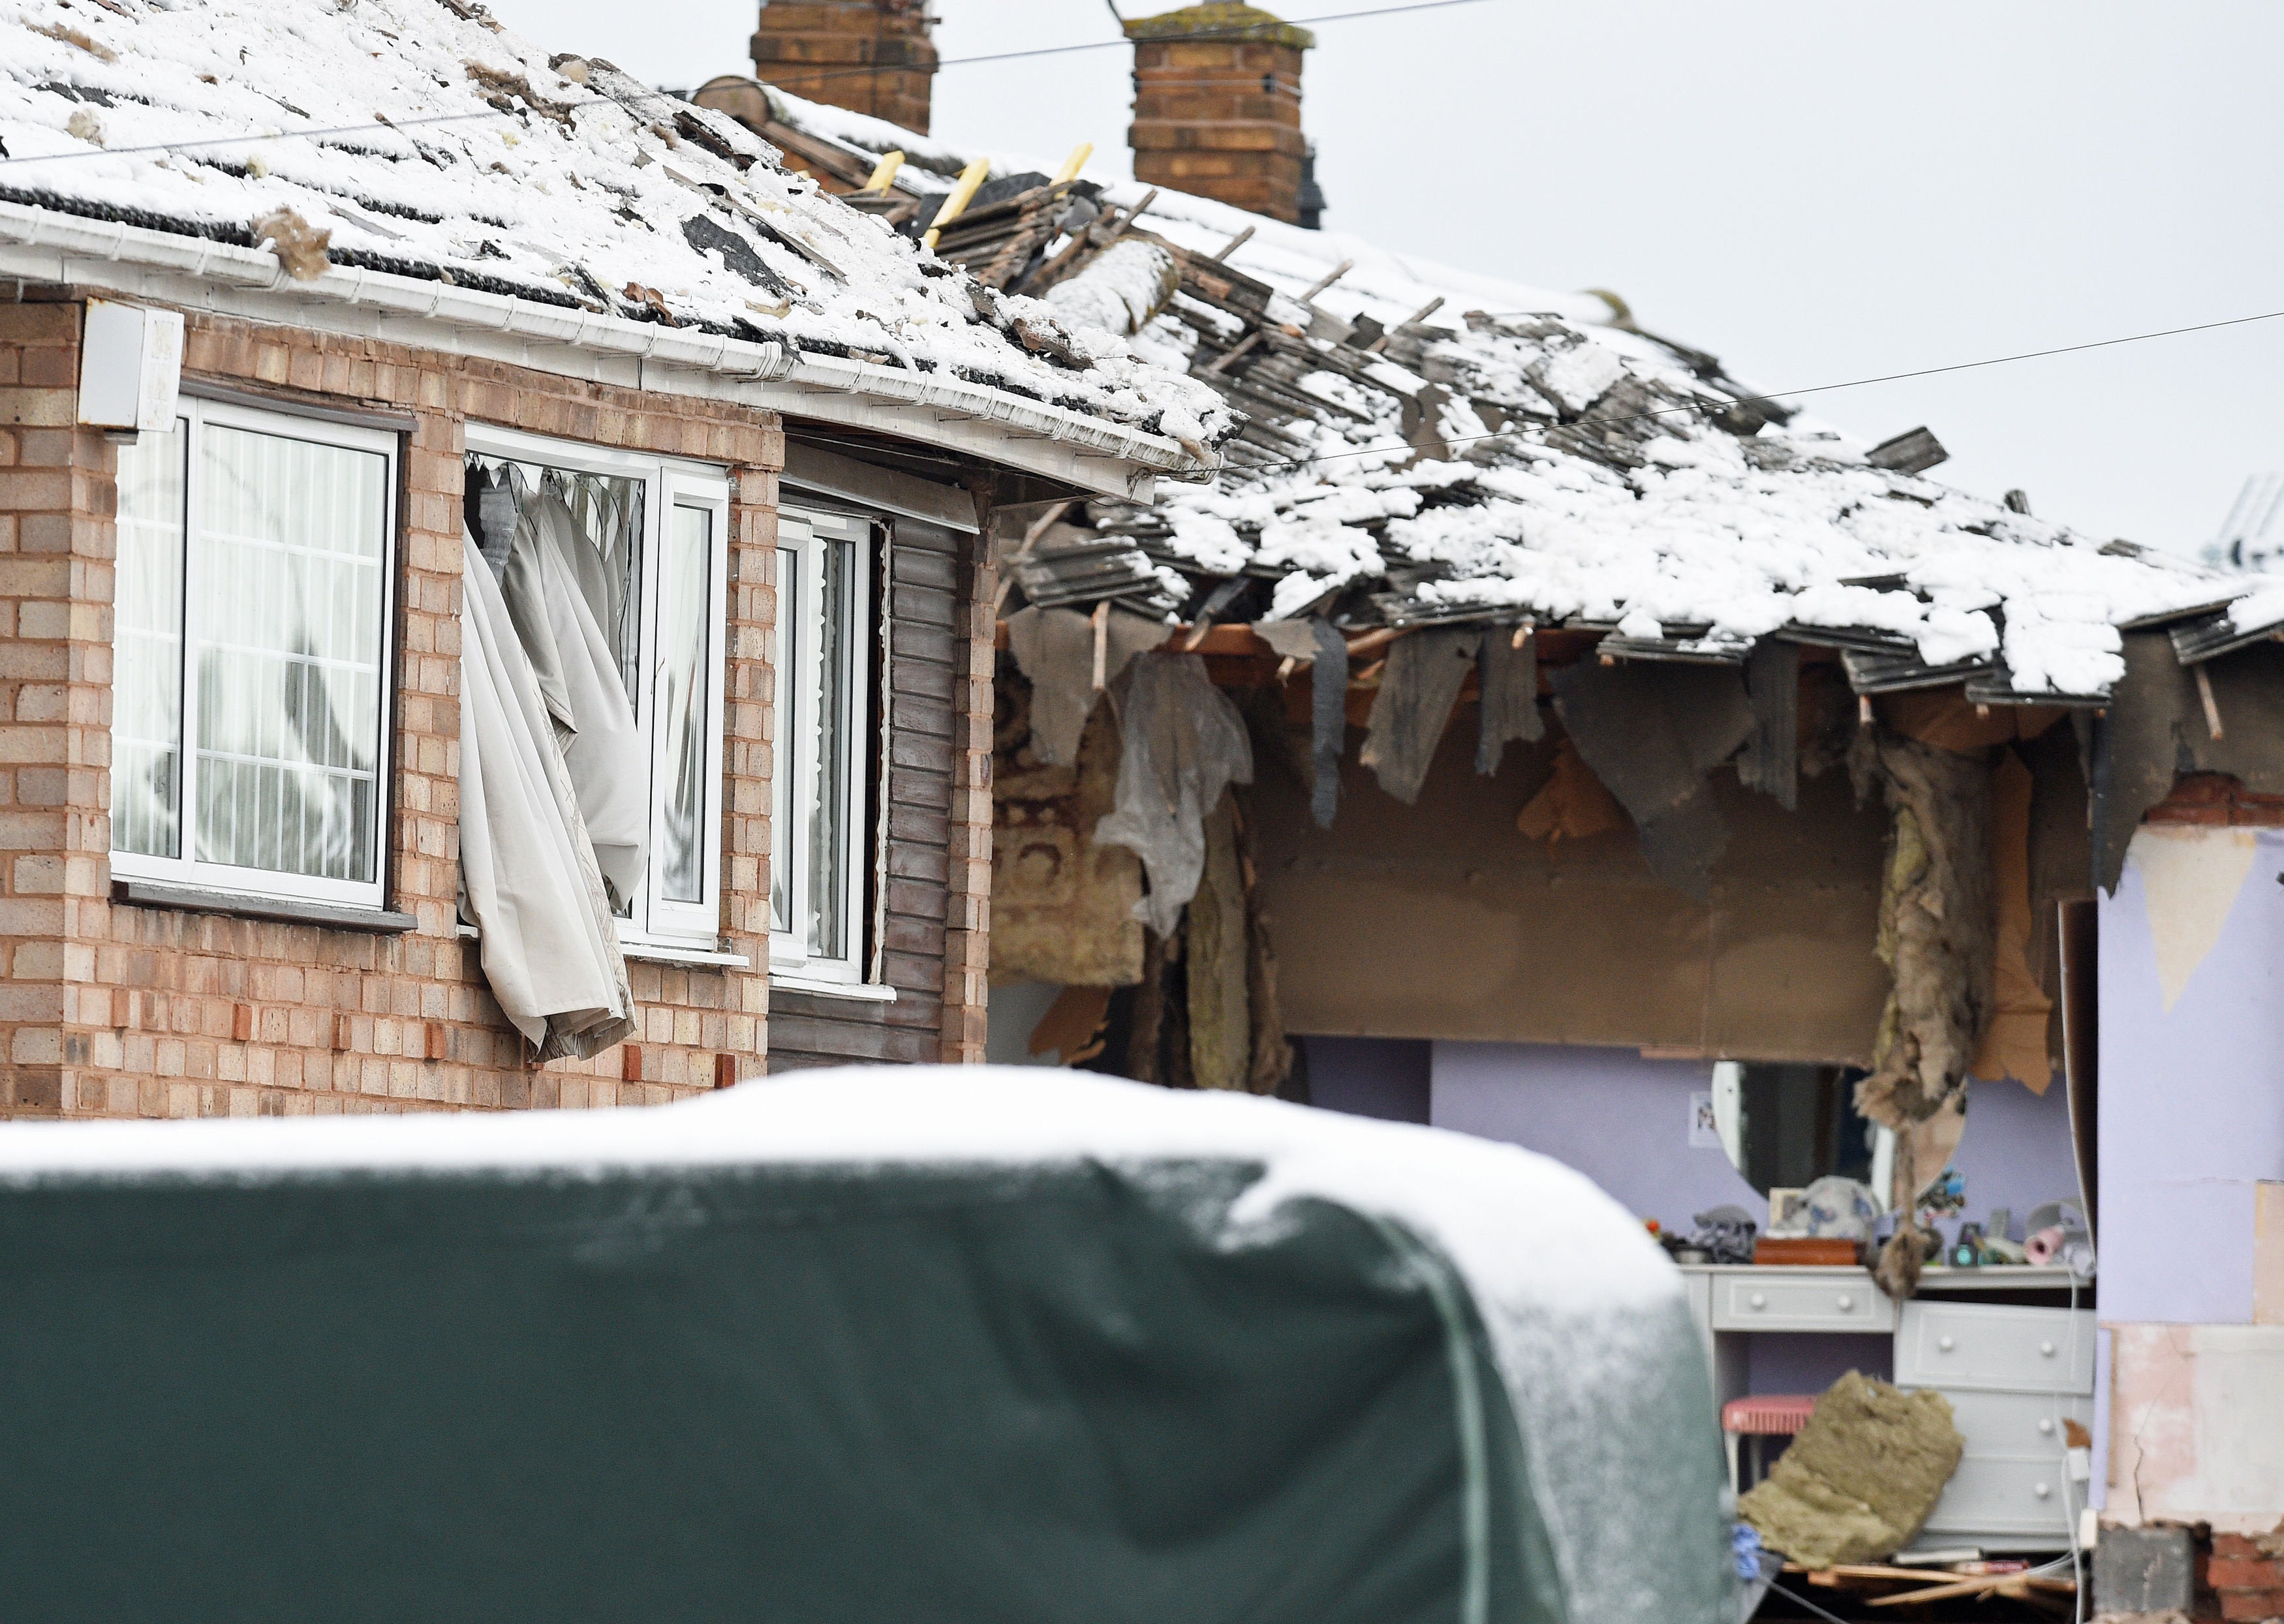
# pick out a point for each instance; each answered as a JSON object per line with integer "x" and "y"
{"x": 1815, "y": 192}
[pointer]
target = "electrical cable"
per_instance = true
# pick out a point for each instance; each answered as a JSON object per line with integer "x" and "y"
{"x": 2079, "y": 1597}
{"x": 871, "y": 70}
{"x": 1238, "y": 32}
{"x": 1799, "y": 1600}
{"x": 1299, "y": 461}
{"x": 1780, "y": 394}
{"x": 278, "y": 135}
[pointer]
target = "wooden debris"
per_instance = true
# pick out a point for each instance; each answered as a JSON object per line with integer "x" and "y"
{"x": 970, "y": 179}
{"x": 1327, "y": 280}
{"x": 1235, "y": 243}
{"x": 1914, "y": 451}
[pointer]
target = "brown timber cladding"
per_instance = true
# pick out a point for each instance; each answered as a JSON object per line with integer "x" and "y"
{"x": 107, "y": 1009}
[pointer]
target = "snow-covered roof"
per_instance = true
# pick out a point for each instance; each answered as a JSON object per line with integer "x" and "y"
{"x": 463, "y": 166}
{"x": 1636, "y": 491}
{"x": 1522, "y": 454}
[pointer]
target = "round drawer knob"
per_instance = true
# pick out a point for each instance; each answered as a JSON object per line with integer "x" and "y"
{"x": 2046, "y": 1349}
{"x": 1847, "y": 1303}
{"x": 1759, "y": 1301}
{"x": 1946, "y": 1344}
{"x": 2041, "y": 1491}
{"x": 2047, "y": 1427}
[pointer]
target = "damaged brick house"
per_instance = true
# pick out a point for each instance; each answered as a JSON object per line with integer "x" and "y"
{"x": 1605, "y": 740}
{"x": 519, "y": 403}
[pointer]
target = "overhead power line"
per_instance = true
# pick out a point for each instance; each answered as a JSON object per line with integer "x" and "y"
{"x": 1237, "y": 31}
{"x": 1775, "y": 396}
{"x": 275, "y": 134}
{"x": 457, "y": 118}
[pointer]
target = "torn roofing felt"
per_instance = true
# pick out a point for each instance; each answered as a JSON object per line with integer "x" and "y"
{"x": 2160, "y": 728}
{"x": 465, "y": 156}
{"x": 1651, "y": 732}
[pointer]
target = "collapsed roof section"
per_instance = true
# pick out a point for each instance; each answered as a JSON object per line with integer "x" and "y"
{"x": 1421, "y": 448}
{"x": 455, "y": 168}
{"x": 1421, "y": 445}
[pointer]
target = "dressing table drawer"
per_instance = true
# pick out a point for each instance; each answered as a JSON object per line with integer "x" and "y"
{"x": 1800, "y": 1299}
{"x": 1985, "y": 1345}
{"x": 2024, "y": 1425}
{"x": 1997, "y": 1495}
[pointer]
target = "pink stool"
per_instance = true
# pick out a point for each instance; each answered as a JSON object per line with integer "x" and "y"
{"x": 1782, "y": 1413}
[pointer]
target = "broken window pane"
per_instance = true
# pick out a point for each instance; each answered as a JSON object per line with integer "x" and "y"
{"x": 609, "y": 509}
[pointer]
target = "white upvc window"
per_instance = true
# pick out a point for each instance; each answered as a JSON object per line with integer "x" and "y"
{"x": 253, "y": 661}
{"x": 659, "y": 530}
{"x": 821, "y": 659}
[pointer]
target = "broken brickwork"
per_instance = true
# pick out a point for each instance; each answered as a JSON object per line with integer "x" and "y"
{"x": 2217, "y": 799}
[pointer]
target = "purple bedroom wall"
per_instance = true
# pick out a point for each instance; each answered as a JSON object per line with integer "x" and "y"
{"x": 1623, "y": 1121}
{"x": 2192, "y": 1103}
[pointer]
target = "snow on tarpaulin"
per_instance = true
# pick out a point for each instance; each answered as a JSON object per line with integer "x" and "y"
{"x": 580, "y": 188}
{"x": 1583, "y": 1316}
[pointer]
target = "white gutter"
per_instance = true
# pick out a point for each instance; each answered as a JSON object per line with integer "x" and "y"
{"x": 42, "y": 246}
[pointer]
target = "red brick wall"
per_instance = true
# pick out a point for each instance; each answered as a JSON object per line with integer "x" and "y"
{"x": 1220, "y": 118}
{"x": 57, "y": 505}
{"x": 868, "y": 55}
{"x": 112, "y": 1010}
{"x": 2246, "y": 1580}
{"x": 2216, "y": 799}
{"x": 967, "y": 906}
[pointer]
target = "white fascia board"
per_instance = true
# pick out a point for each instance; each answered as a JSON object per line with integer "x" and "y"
{"x": 949, "y": 413}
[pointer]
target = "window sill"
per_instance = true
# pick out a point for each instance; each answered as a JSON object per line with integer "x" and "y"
{"x": 650, "y": 953}
{"x": 861, "y": 992}
{"x": 654, "y": 953}
{"x": 250, "y": 905}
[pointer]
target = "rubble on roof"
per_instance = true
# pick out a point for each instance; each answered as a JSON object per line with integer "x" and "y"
{"x": 460, "y": 154}
{"x": 1419, "y": 446}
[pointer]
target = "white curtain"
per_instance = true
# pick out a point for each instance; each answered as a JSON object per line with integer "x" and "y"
{"x": 549, "y": 946}
{"x": 602, "y": 745}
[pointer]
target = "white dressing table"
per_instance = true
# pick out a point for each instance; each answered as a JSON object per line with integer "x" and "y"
{"x": 2014, "y": 1372}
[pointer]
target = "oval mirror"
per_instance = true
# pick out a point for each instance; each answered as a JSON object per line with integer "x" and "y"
{"x": 1785, "y": 1125}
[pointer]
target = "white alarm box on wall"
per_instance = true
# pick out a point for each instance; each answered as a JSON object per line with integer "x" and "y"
{"x": 130, "y": 367}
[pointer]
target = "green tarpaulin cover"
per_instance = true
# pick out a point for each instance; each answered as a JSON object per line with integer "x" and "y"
{"x": 913, "y": 1345}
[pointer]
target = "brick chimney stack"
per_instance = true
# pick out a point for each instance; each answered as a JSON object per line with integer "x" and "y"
{"x": 868, "y": 55}
{"x": 1220, "y": 116}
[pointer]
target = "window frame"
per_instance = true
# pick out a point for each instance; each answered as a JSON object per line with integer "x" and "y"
{"x": 797, "y": 743}
{"x": 193, "y": 416}
{"x": 670, "y": 483}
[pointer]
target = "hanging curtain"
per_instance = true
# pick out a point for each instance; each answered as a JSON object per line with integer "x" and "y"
{"x": 549, "y": 947}
{"x": 581, "y": 680}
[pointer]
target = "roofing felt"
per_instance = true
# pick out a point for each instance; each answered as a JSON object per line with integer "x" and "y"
{"x": 465, "y": 158}
{"x": 1518, "y": 454}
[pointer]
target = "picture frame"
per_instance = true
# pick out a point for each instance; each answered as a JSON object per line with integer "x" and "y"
{"x": 1787, "y": 1210}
